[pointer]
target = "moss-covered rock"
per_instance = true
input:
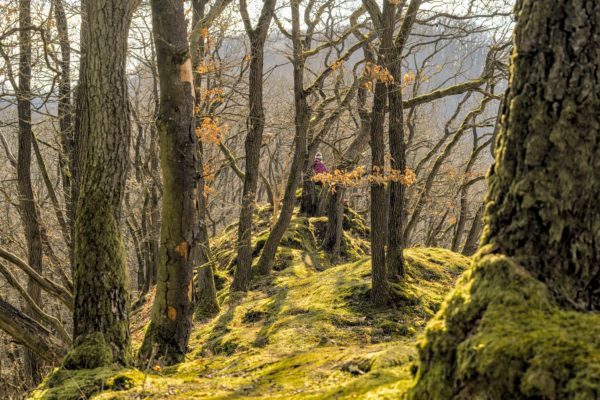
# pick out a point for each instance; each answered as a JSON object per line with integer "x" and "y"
{"x": 500, "y": 335}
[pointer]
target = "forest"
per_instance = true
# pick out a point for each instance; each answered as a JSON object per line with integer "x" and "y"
{"x": 300, "y": 199}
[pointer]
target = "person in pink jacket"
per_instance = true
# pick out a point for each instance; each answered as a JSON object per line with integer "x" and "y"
{"x": 318, "y": 166}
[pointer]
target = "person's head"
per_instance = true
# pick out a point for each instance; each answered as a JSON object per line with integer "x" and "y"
{"x": 318, "y": 156}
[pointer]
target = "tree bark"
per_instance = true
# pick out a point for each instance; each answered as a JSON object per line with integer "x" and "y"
{"x": 529, "y": 293}
{"x": 542, "y": 207}
{"x": 255, "y": 126}
{"x": 168, "y": 334}
{"x": 308, "y": 200}
{"x": 101, "y": 315}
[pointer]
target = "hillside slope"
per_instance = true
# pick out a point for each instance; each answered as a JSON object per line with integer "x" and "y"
{"x": 306, "y": 332}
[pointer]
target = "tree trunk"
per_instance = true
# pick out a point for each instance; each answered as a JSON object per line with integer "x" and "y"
{"x": 206, "y": 303}
{"x": 380, "y": 287}
{"x": 335, "y": 223}
{"x": 255, "y": 126}
{"x": 379, "y": 291}
{"x": 308, "y": 200}
{"x": 65, "y": 114}
{"x": 472, "y": 241}
{"x": 154, "y": 217}
{"x": 168, "y": 334}
{"x": 546, "y": 177}
{"x": 302, "y": 112}
{"x": 394, "y": 257}
{"x": 519, "y": 326}
{"x": 27, "y": 206}
{"x": 78, "y": 125}
{"x": 101, "y": 315}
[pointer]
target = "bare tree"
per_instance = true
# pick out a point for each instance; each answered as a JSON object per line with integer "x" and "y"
{"x": 255, "y": 125}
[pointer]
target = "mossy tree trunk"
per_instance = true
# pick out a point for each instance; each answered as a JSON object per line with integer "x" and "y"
{"x": 517, "y": 324}
{"x": 542, "y": 207}
{"x": 101, "y": 315}
{"x": 168, "y": 334}
{"x": 255, "y": 125}
{"x": 302, "y": 112}
{"x": 28, "y": 208}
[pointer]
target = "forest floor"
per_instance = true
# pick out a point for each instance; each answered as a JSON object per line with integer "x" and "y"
{"x": 306, "y": 332}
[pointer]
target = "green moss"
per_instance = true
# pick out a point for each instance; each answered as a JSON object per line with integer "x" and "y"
{"x": 299, "y": 334}
{"x": 306, "y": 331}
{"x": 64, "y": 384}
{"x": 353, "y": 248}
{"x": 501, "y": 335}
{"x": 221, "y": 279}
{"x": 89, "y": 352}
{"x": 355, "y": 223}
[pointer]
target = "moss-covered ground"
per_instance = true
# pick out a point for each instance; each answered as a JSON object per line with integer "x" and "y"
{"x": 306, "y": 332}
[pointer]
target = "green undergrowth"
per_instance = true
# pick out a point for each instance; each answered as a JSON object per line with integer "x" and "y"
{"x": 306, "y": 332}
{"x": 501, "y": 336}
